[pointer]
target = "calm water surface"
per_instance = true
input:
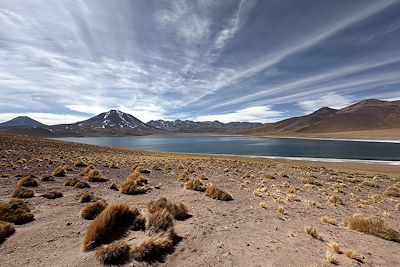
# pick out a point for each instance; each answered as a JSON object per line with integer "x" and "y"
{"x": 252, "y": 146}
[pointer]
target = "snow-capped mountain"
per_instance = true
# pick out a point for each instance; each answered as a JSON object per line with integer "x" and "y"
{"x": 113, "y": 119}
{"x": 22, "y": 121}
{"x": 204, "y": 126}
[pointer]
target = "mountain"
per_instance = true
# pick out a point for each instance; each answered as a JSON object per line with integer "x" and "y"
{"x": 188, "y": 126}
{"x": 22, "y": 121}
{"x": 367, "y": 115}
{"x": 110, "y": 123}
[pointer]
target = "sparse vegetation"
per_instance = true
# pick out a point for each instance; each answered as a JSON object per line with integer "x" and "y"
{"x": 6, "y": 230}
{"x": 80, "y": 163}
{"x": 59, "y": 172}
{"x": 216, "y": 193}
{"x": 392, "y": 191}
{"x": 117, "y": 253}
{"x": 330, "y": 258}
{"x": 27, "y": 182}
{"x": 373, "y": 226}
{"x": 335, "y": 200}
{"x": 23, "y": 192}
{"x": 160, "y": 221}
{"x": 335, "y": 247}
{"x": 46, "y": 178}
{"x": 313, "y": 232}
{"x": 179, "y": 212}
{"x": 154, "y": 248}
{"x": 328, "y": 220}
{"x": 195, "y": 184}
{"x": 76, "y": 183}
{"x": 354, "y": 255}
{"x": 15, "y": 211}
{"x": 133, "y": 187}
{"x": 92, "y": 210}
{"x": 94, "y": 175}
{"x": 86, "y": 197}
{"x": 110, "y": 225}
{"x": 113, "y": 186}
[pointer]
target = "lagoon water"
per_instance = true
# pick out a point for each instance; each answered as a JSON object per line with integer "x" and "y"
{"x": 251, "y": 146}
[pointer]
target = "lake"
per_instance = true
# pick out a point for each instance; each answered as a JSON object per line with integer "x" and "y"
{"x": 251, "y": 146}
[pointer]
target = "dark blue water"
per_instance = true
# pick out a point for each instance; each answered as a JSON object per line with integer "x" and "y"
{"x": 254, "y": 146}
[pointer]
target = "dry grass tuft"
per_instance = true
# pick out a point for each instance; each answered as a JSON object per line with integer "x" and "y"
{"x": 262, "y": 205}
{"x": 372, "y": 226}
{"x": 113, "y": 186}
{"x": 134, "y": 186}
{"x": 46, "y": 178}
{"x": 23, "y": 192}
{"x": 86, "y": 197}
{"x": 281, "y": 210}
{"x": 335, "y": 247}
{"x": 330, "y": 258}
{"x": 375, "y": 198}
{"x": 392, "y": 191}
{"x": 6, "y": 229}
{"x": 328, "y": 220}
{"x": 195, "y": 184}
{"x": 354, "y": 255}
{"x": 160, "y": 221}
{"x": 92, "y": 210}
{"x": 94, "y": 175}
{"x": 27, "y": 182}
{"x": 179, "y": 212}
{"x": 76, "y": 183}
{"x": 154, "y": 248}
{"x": 313, "y": 232}
{"x": 335, "y": 200}
{"x": 80, "y": 163}
{"x": 311, "y": 181}
{"x": 59, "y": 172}
{"x": 15, "y": 211}
{"x": 216, "y": 193}
{"x": 183, "y": 177}
{"x": 52, "y": 195}
{"x": 85, "y": 171}
{"x": 110, "y": 225}
{"x": 118, "y": 253}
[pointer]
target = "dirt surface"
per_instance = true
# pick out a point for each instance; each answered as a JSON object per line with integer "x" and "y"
{"x": 233, "y": 233}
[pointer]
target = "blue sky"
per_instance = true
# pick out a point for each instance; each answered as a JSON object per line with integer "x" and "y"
{"x": 64, "y": 61}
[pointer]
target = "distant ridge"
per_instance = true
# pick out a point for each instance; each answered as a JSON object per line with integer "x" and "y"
{"x": 22, "y": 121}
{"x": 370, "y": 114}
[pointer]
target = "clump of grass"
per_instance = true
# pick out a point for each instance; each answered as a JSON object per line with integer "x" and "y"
{"x": 369, "y": 183}
{"x": 94, "y": 175}
{"x": 330, "y": 258}
{"x": 328, "y": 220}
{"x": 59, "y": 172}
{"x": 92, "y": 210}
{"x": 154, "y": 248}
{"x": 86, "y": 197}
{"x": 110, "y": 225}
{"x": 76, "y": 183}
{"x": 159, "y": 221}
{"x": 15, "y": 211}
{"x": 262, "y": 205}
{"x": 80, "y": 163}
{"x": 134, "y": 187}
{"x": 315, "y": 204}
{"x": 311, "y": 181}
{"x": 392, "y": 191}
{"x": 292, "y": 197}
{"x": 375, "y": 198}
{"x": 375, "y": 226}
{"x": 335, "y": 247}
{"x": 335, "y": 200}
{"x": 6, "y": 230}
{"x": 52, "y": 195}
{"x": 281, "y": 210}
{"x": 313, "y": 232}
{"x": 85, "y": 171}
{"x": 118, "y": 253}
{"x": 46, "y": 178}
{"x": 216, "y": 193}
{"x": 195, "y": 184}
{"x": 27, "y": 182}
{"x": 179, "y": 212}
{"x": 23, "y": 192}
{"x": 113, "y": 186}
{"x": 354, "y": 255}
{"x": 183, "y": 177}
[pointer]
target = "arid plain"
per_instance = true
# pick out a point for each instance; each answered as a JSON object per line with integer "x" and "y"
{"x": 282, "y": 212}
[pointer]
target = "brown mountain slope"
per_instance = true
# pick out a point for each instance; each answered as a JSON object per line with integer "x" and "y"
{"x": 366, "y": 115}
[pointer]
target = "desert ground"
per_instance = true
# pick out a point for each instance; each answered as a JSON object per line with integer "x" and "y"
{"x": 282, "y": 212}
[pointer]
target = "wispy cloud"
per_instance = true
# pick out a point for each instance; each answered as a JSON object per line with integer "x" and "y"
{"x": 194, "y": 59}
{"x": 331, "y": 100}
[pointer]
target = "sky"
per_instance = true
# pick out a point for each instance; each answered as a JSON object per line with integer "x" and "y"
{"x": 262, "y": 61}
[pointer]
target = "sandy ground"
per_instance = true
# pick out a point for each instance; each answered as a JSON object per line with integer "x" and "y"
{"x": 234, "y": 233}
